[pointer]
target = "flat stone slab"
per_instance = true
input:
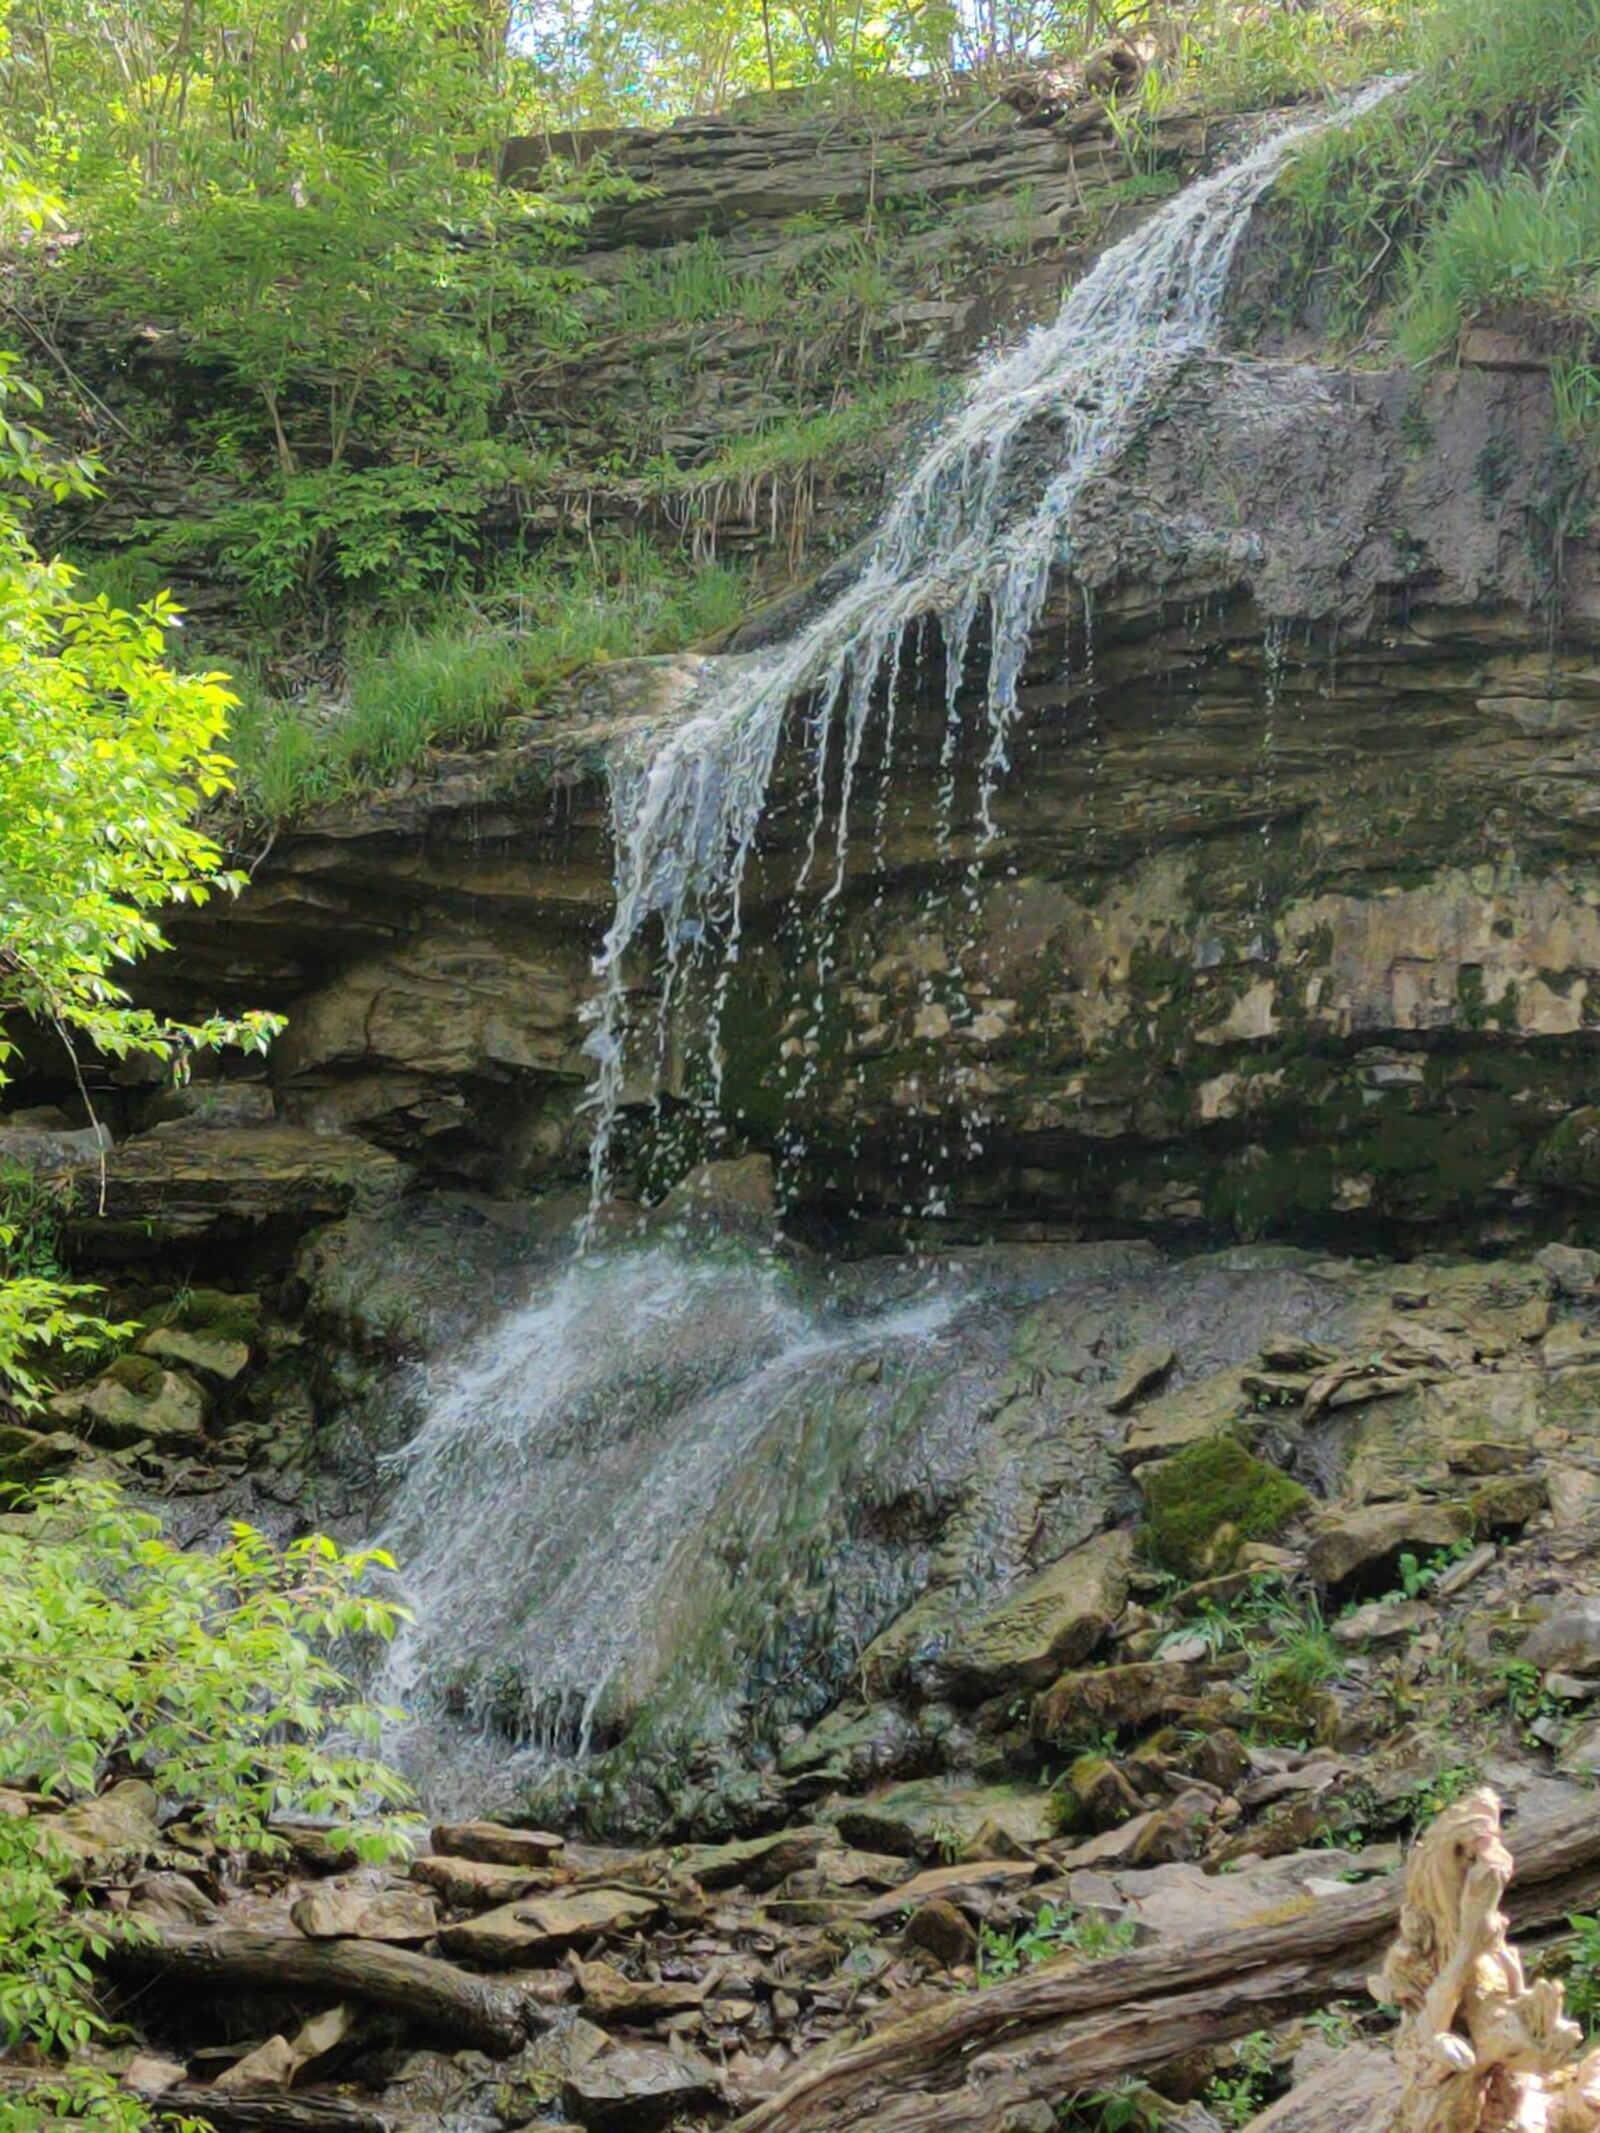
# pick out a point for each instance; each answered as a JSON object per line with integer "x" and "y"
{"x": 949, "y": 1882}
{"x": 404, "y": 1916}
{"x": 929, "y": 1815}
{"x": 496, "y": 1844}
{"x": 635, "y": 2088}
{"x": 1045, "y": 1626}
{"x": 537, "y": 1928}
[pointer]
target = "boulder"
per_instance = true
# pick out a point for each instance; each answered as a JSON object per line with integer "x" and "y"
{"x": 539, "y": 1928}
{"x": 1187, "y": 1416}
{"x": 28, "y": 1455}
{"x": 1573, "y": 1270}
{"x": 932, "y": 1816}
{"x": 135, "y": 1402}
{"x": 1053, "y": 1621}
{"x": 405, "y": 1916}
{"x": 974, "y": 1882}
{"x": 1095, "y": 1794}
{"x": 496, "y": 1844}
{"x": 735, "y": 1195}
{"x": 169, "y": 1899}
{"x": 43, "y": 1142}
{"x": 205, "y": 1354}
{"x": 635, "y": 2088}
{"x": 476, "y": 1884}
{"x": 272, "y": 2065}
{"x": 609, "y": 1996}
{"x": 941, "y": 1931}
{"x": 855, "y": 1745}
{"x": 1568, "y": 1638}
{"x": 755, "y": 1862}
{"x": 1351, "y": 1544}
{"x": 283, "y": 2061}
{"x": 147, "y": 2074}
{"x": 1505, "y": 1504}
{"x": 1383, "y": 1622}
{"x": 117, "y": 1828}
{"x": 1120, "y": 1697}
{"x": 1144, "y": 1370}
{"x": 837, "y": 1869}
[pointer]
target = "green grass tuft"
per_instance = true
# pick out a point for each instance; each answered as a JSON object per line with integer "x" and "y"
{"x": 454, "y": 683}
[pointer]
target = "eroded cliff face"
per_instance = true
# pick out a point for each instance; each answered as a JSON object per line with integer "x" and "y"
{"x": 1288, "y": 929}
{"x": 1292, "y": 923}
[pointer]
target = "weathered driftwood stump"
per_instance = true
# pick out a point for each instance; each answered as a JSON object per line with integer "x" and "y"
{"x": 1479, "y": 2049}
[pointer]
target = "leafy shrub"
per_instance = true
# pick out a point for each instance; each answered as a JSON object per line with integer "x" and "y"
{"x": 208, "y": 1676}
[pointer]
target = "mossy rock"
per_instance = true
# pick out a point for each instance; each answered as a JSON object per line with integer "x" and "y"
{"x": 1204, "y": 1504}
{"x": 1050, "y": 1623}
{"x": 136, "y": 1400}
{"x": 210, "y": 1355}
{"x": 28, "y": 1455}
{"x": 1569, "y": 1159}
{"x": 933, "y": 1818}
{"x": 1505, "y": 1504}
{"x": 137, "y": 1373}
{"x": 215, "y": 1312}
{"x": 1095, "y": 1795}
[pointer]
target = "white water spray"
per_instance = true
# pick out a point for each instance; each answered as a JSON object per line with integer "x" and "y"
{"x": 558, "y": 1509}
{"x": 978, "y": 529}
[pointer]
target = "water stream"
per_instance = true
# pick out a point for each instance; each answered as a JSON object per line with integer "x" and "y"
{"x": 596, "y": 1473}
{"x": 977, "y": 529}
{"x": 568, "y": 1490}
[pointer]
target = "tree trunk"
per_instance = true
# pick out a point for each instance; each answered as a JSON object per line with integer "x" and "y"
{"x": 435, "y": 1995}
{"x": 221, "y": 2112}
{"x": 956, "y": 2068}
{"x": 268, "y": 2114}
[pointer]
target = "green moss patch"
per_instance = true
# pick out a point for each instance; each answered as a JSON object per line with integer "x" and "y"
{"x": 1205, "y": 1503}
{"x": 225, "y": 1317}
{"x": 137, "y": 1374}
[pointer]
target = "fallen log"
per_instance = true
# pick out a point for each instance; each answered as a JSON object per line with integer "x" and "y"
{"x": 435, "y": 1995}
{"x": 217, "y": 2109}
{"x": 1066, "y": 2026}
{"x": 267, "y": 2114}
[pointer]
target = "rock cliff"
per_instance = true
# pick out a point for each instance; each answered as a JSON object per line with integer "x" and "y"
{"x": 1291, "y": 924}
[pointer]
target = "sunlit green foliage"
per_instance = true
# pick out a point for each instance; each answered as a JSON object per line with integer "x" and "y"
{"x": 306, "y": 203}
{"x": 207, "y": 1675}
{"x": 633, "y": 60}
{"x": 1474, "y": 188}
{"x": 107, "y": 755}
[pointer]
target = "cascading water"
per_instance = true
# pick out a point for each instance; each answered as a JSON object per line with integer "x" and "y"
{"x": 977, "y": 529}
{"x": 602, "y": 1462}
{"x": 567, "y": 1490}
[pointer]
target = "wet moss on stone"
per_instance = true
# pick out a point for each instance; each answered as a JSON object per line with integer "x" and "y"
{"x": 140, "y": 1374}
{"x": 1205, "y": 1503}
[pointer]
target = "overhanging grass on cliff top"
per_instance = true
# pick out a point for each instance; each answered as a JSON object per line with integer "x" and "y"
{"x": 1474, "y": 191}
{"x": 450, "y": 683}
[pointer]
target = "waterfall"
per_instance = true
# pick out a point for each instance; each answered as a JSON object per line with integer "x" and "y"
{"x": 569, "y": 1497}
{"x": 977, "y": 529}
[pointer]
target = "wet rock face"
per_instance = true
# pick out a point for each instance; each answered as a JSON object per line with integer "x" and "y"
{"x": 861, "y": 1551}
{"x": 1291, "y": 921}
